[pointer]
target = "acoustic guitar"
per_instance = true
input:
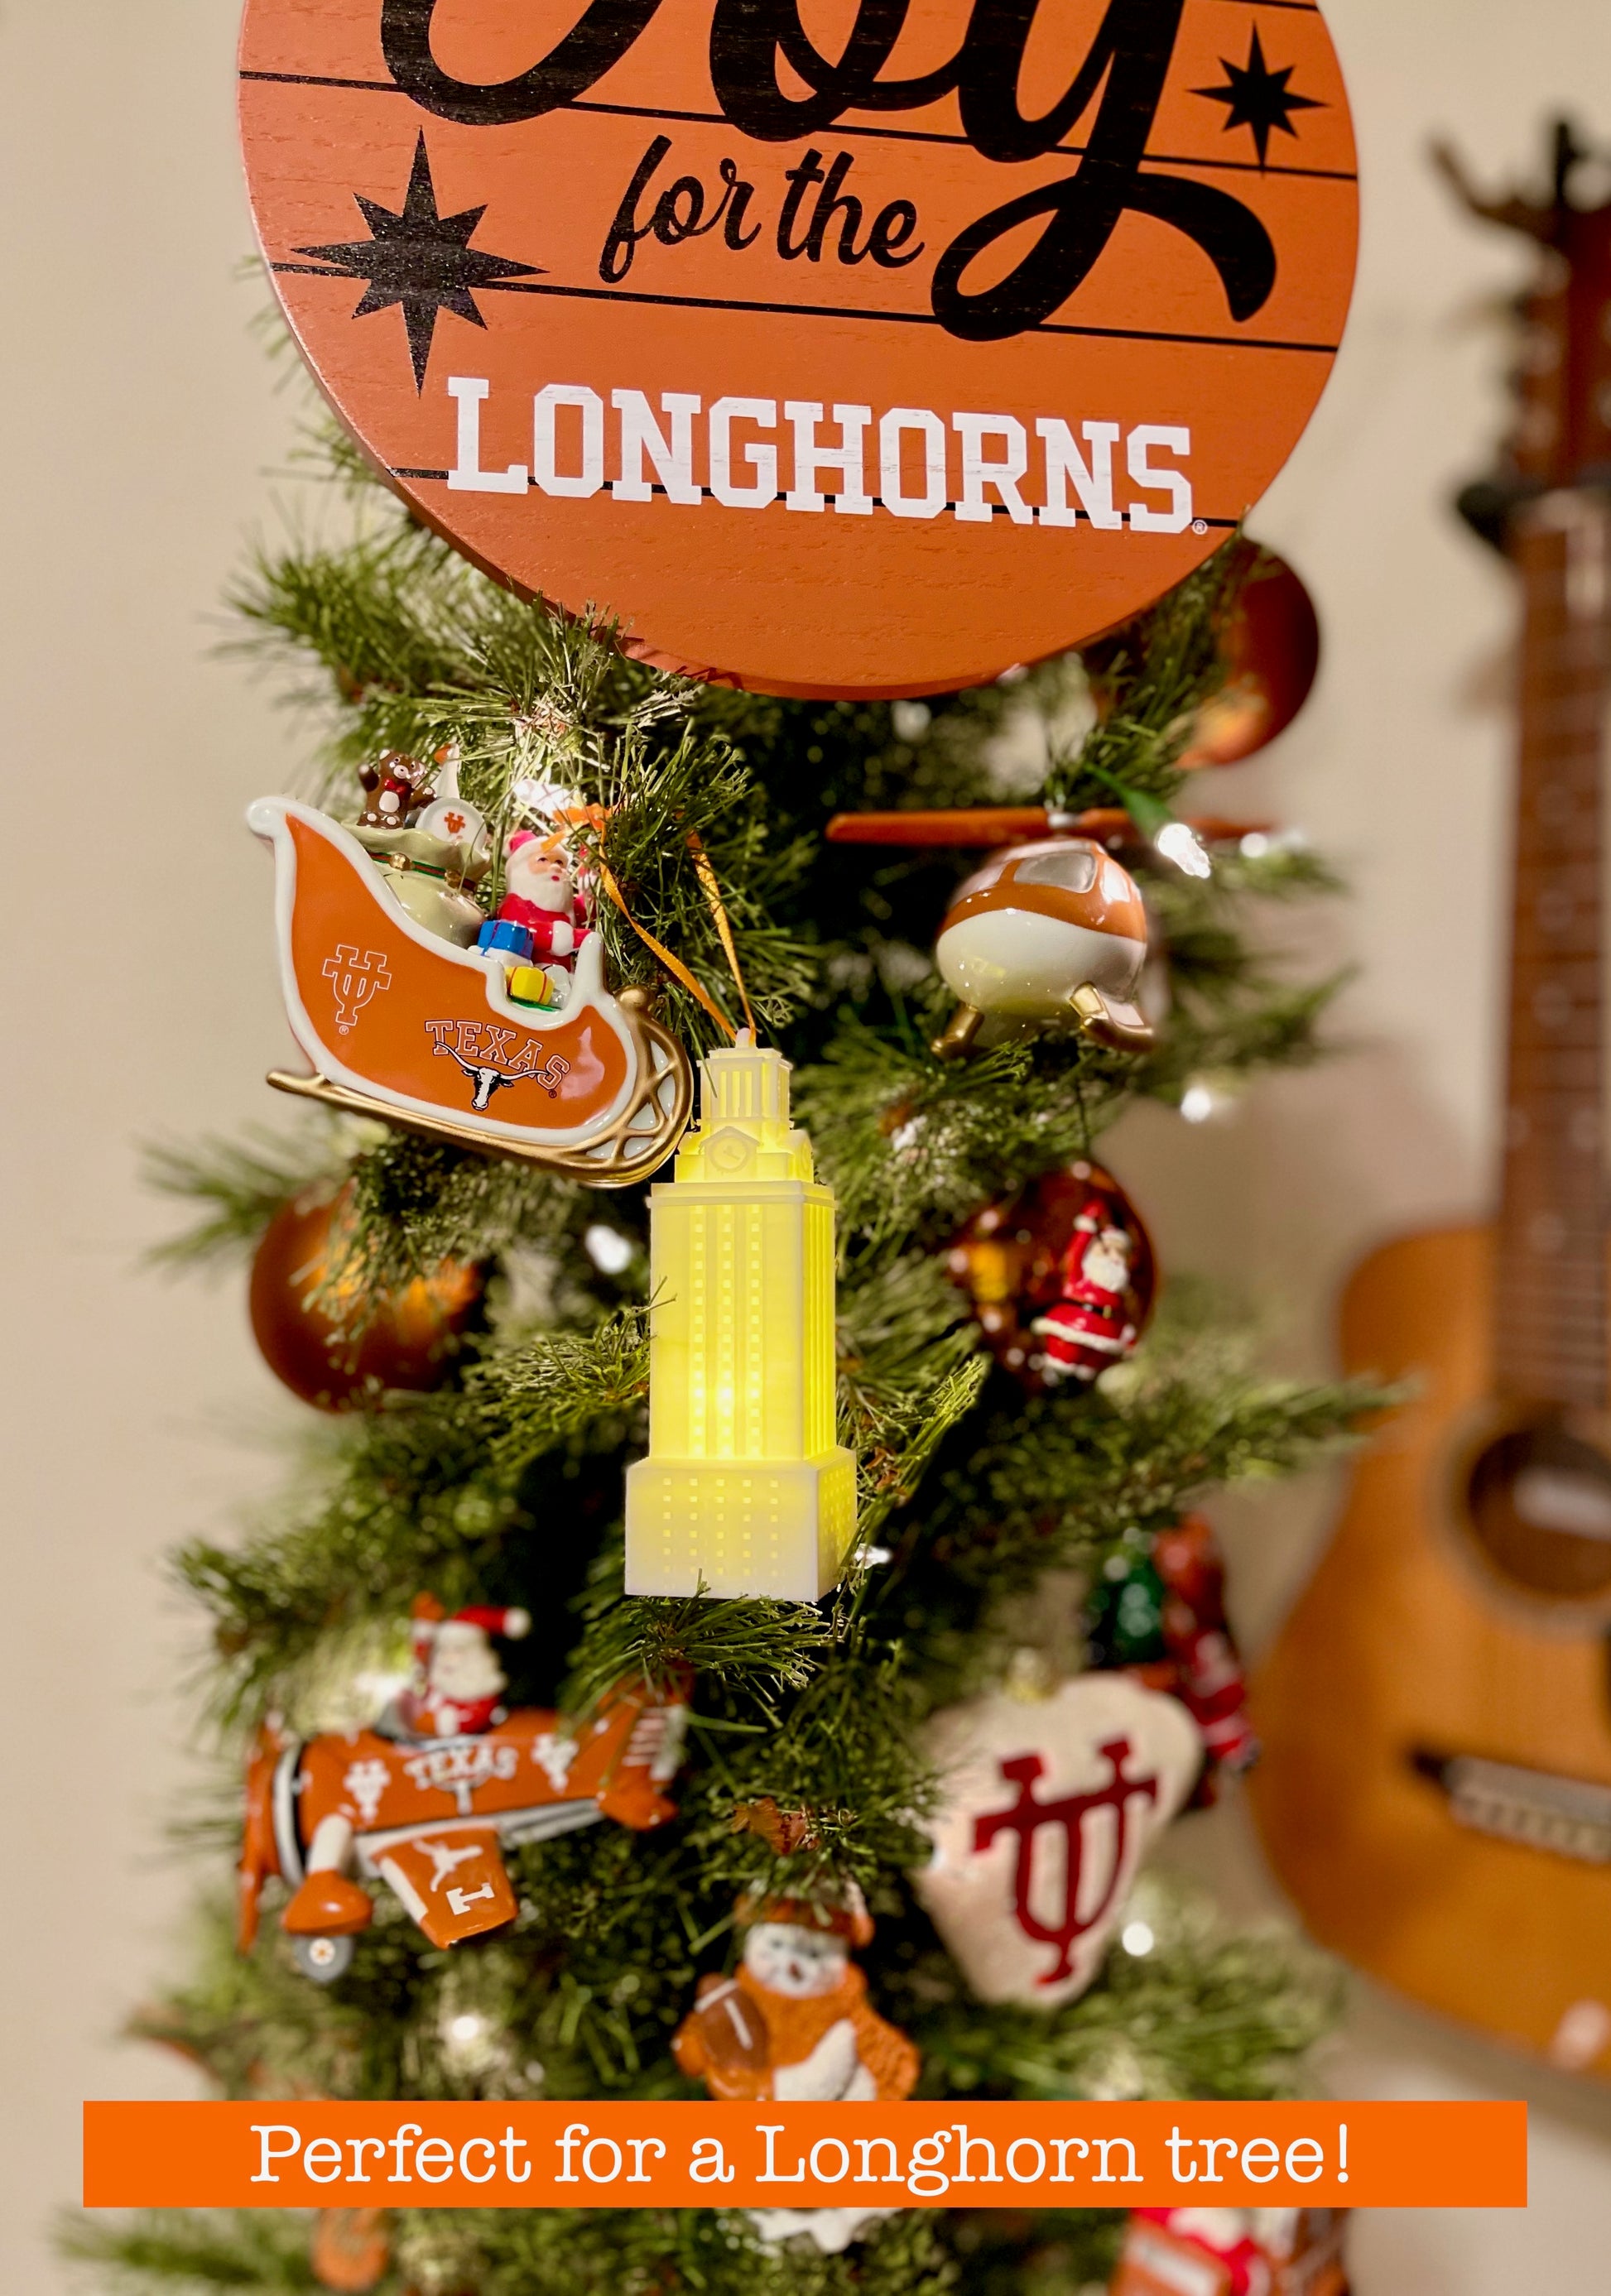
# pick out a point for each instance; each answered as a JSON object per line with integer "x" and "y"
{"x": 1435, "y": 1793}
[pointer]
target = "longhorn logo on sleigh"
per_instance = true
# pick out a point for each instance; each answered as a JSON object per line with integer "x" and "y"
{"x": 402, "y": 1021}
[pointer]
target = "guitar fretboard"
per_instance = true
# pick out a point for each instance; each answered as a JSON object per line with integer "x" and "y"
{"x": 1551, "y": 1343}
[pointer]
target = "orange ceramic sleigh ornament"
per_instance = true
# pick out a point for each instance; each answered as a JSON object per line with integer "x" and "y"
{"x": 402, "y": 1025}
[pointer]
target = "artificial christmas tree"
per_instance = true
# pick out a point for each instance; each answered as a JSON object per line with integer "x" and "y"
{"x": 988, "y": 1507}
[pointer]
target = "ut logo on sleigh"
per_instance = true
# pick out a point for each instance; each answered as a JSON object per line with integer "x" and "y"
{"x": 400, "y": 1024}
{"x": 356, "y": 978}
{"x": 428, "y": 1817}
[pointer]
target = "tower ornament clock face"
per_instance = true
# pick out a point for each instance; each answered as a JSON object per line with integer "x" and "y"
{"x": 867, "y": 346}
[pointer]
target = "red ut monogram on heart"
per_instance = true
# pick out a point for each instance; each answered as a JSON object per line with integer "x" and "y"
{"x": 356, "y": 980}
{"x": 1027, "y": 1816}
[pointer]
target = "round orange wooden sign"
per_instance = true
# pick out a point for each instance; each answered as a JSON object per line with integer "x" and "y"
{"x": 852, "y": 347}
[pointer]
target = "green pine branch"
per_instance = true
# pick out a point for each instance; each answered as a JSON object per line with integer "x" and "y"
{"x": 248, "y": 2249}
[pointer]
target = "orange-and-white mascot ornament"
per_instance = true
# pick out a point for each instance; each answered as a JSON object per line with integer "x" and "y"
{"x": 795, "y": 2025}
{"x": 1091, "y": 1326}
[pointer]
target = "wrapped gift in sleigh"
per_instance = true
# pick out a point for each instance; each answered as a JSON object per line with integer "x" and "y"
{"x": 402, "y": 1025}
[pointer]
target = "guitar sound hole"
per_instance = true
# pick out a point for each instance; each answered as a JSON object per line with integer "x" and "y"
{"x": 1538, "y": 1502}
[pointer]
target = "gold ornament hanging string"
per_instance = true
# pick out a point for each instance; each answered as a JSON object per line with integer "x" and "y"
{"x": 723, "y": 930}
{"x": 674, "y": 964}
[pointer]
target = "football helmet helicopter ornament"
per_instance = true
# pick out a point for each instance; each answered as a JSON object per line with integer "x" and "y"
{"x": 1048, "y": 933}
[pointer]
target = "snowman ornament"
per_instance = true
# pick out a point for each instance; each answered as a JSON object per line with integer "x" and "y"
{"x": 795, "y": 2026}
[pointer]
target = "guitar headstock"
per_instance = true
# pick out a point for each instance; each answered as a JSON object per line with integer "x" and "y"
{"x": 1562, "y": 433}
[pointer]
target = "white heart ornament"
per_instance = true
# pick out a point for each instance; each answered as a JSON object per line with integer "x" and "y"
{"x": 1049, "y": 1807}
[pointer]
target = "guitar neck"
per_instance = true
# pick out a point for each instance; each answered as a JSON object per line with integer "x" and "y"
{"x": 1550, "y": 1339}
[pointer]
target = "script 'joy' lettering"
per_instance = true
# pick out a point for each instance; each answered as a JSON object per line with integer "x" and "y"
{"x": 1123, "y": 72}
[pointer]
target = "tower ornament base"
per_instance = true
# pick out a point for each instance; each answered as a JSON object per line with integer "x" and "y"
{"x": 778, "y": 1530}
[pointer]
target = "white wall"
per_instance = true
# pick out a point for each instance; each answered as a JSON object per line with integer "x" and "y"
{"x": 140, "y": 422}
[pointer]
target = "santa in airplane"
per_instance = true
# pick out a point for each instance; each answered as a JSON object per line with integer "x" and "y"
{"x": 457, "y": 1680}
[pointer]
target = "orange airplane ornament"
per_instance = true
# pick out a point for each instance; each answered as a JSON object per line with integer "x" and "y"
{"x": 402, "y": 1023}
{"x": 425, "y": 1801}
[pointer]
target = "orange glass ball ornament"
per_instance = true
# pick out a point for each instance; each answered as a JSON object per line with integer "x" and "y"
{"x": 351, "y": 2248}
{"x": 1271, "y": 650}
{"x": 331, "y": 1350}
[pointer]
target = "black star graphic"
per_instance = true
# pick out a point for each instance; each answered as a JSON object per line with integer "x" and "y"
{"x": 1259, "y": 98}
{"x": 420, "y": 259}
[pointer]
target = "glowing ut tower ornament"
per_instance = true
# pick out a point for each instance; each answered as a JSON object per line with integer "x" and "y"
{"x": 744, "y": 1490}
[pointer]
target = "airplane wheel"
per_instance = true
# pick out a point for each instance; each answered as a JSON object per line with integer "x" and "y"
{"x": 323, "y": 1958}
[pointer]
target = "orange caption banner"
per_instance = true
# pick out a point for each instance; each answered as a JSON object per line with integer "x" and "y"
{"x": 586, "y": 2155}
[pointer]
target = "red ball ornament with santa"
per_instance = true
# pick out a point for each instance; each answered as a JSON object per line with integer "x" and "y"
{"x": 458, "y": 1682}
{"x": 1062, "y": 1277}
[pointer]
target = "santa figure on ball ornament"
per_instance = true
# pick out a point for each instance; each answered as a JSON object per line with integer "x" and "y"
{"x": 457, "y": 1680}
{"x": 1061, "y": 1276}
{"x": 1089, "y": 1327}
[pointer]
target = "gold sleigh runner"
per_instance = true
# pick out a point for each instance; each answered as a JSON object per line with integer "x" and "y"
{"x": 402, "y": 1025}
